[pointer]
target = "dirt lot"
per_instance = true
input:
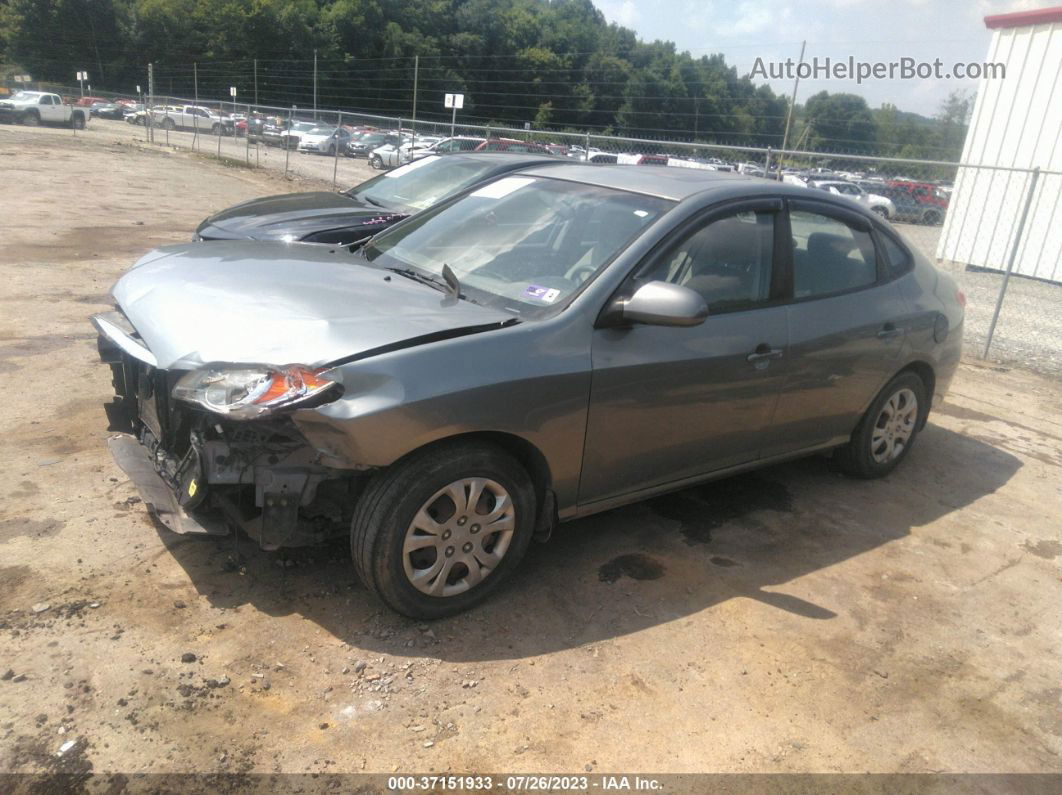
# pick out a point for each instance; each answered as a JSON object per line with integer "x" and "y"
{"x": 790, "y": 620}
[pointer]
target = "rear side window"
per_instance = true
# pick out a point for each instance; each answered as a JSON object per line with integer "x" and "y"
{"x": 829, "y": 256}
{"x": 897, "y": 260}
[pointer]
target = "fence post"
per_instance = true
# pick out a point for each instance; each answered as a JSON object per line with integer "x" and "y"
{"x": 586, "y": 154}
{"x": 767, "y": 164}
{"x": 1010, "y": 260}
{"x": 246, "y": 134}
{"x": 335, "y": 153}
{"x": 287, "y": 140}
{"x": 219, "y": 133}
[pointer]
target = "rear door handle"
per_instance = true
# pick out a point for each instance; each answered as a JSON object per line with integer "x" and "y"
{"x": 764, "y": 352}
{"x": 888, "y": 331}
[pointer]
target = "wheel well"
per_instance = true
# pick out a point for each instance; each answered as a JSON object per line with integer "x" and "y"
{"x": 929, "y": 378}
{"x": 529, "y": 456}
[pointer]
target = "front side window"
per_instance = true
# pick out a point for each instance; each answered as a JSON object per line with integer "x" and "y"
{"x": 521, "y": 243}
{"x": 829, "y": 256}
{"x": 46, "y": 99}
{"x": 728, "y": 261}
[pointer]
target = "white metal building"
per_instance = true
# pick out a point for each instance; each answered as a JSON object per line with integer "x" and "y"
{"x": 1016, "y": 123}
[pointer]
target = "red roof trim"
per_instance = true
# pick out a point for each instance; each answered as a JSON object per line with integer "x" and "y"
{"x": 1021, "y": 19}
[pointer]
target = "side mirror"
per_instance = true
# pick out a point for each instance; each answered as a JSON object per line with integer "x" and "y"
{"x": 659, "y": 304}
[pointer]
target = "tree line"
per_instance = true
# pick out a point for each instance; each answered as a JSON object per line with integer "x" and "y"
{"x": 556, "y": 65}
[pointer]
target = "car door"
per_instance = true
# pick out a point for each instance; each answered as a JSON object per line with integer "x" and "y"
{"x": 48, "y": 110}
{"x": 846, "y": 323}
{"x": 669, "y": 403}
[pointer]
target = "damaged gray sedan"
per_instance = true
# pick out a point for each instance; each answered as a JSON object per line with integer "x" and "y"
{"x": 542, "y": 347}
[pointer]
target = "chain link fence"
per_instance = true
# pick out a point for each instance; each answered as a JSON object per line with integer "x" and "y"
{"x": 994, "y": 229}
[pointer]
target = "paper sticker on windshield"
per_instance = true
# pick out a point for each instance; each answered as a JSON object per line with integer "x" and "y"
{"x": 503, "y": 187}
{"x": 545, "y": 294}
{"x": 411, "y": 166}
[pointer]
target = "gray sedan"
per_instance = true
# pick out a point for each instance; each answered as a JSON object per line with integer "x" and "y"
{"x": 551, "y": 344}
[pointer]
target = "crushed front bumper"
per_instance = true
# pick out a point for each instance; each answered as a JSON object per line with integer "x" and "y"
{"x": 136, "y": 462}
{"x": 200, "y": 473}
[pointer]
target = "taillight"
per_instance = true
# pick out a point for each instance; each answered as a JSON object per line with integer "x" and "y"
{"x": 960, "y": 296}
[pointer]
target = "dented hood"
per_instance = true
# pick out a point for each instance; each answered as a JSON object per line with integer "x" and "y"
{"x": 293, "y": 216}
{"x": 268, "y": 303}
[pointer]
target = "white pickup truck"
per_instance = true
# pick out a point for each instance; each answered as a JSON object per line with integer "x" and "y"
{"x": 192, "y": 117}
{"x": 38, "y": 107}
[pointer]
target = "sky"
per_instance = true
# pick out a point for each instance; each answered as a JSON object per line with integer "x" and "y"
{"x": 868, "y": 30}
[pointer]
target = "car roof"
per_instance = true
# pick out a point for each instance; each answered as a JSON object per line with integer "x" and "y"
{"x": 665, "y": 182}
{"x": 678, "y": 184}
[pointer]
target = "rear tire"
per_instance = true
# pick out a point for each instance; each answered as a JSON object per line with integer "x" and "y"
{"x": 932, "y": 217}
{"x": 887, "y": 432}
{"x": 880, "y": 211}
{"x": 397, "y": 506}
{"x": 77, "y": 121}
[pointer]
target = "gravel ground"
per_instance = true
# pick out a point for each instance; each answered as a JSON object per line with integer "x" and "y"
{"x": 789, "y": 620}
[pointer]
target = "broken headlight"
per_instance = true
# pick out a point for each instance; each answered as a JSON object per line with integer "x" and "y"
{"x": 244, "y": 393}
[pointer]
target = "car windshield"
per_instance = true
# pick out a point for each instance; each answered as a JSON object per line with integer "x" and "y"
{"x": 25, "y": 95}
{"x": 422, "y": 183}
{"x": 304, "y": 126}
{"x": 520, "y": 243}
{"x": 322, "y": 130}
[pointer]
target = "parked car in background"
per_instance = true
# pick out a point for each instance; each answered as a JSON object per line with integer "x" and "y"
{"x": 131, "y": 109}
{"x": 193, "y": 117}
{"x": 39, "y": 107}
{"x": 88, "y": 102}
{"x": 107, "y": 110}
{"x": 324, "y": 140}
{"x": 882, "y": 205}
{"x": 933, "y": 200}
{"x": 367, "y": 209}
{"x": 392, "y": 155}
{"x": 363, "y": 145}
{"x": 291, "y": 134}
{"x": 503, "y": 361}
{"x": 510, "y": 145}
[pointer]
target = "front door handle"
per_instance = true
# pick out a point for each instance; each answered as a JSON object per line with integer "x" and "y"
{"x": 888, "y": 331}
{"x": 764, "y": 352}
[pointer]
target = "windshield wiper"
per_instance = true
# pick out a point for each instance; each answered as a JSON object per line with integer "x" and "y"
{"x": 423, "y": 278}
{"x": 451, "y": 280}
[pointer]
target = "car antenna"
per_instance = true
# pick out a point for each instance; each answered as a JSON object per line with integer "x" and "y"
{"x": 451, "y": 280}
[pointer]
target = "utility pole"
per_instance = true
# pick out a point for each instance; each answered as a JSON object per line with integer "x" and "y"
{"x": 315, "y": 85}
{"x": 255, "y": 81}
{"x": 416, "y": 72}
{"x": 792, "y": 105}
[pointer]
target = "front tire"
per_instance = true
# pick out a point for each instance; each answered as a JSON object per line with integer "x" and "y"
{"x": 441, "y": 530}
{"x": 31, "y": 119}
{"x": 376, "y": 162}
{"x": 888, "y": 430}
{"x": 881, "y": 211}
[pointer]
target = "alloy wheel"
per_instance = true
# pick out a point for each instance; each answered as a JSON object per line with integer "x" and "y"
{"x": 894, "y": 426}
{"x": 458, "y": 537}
